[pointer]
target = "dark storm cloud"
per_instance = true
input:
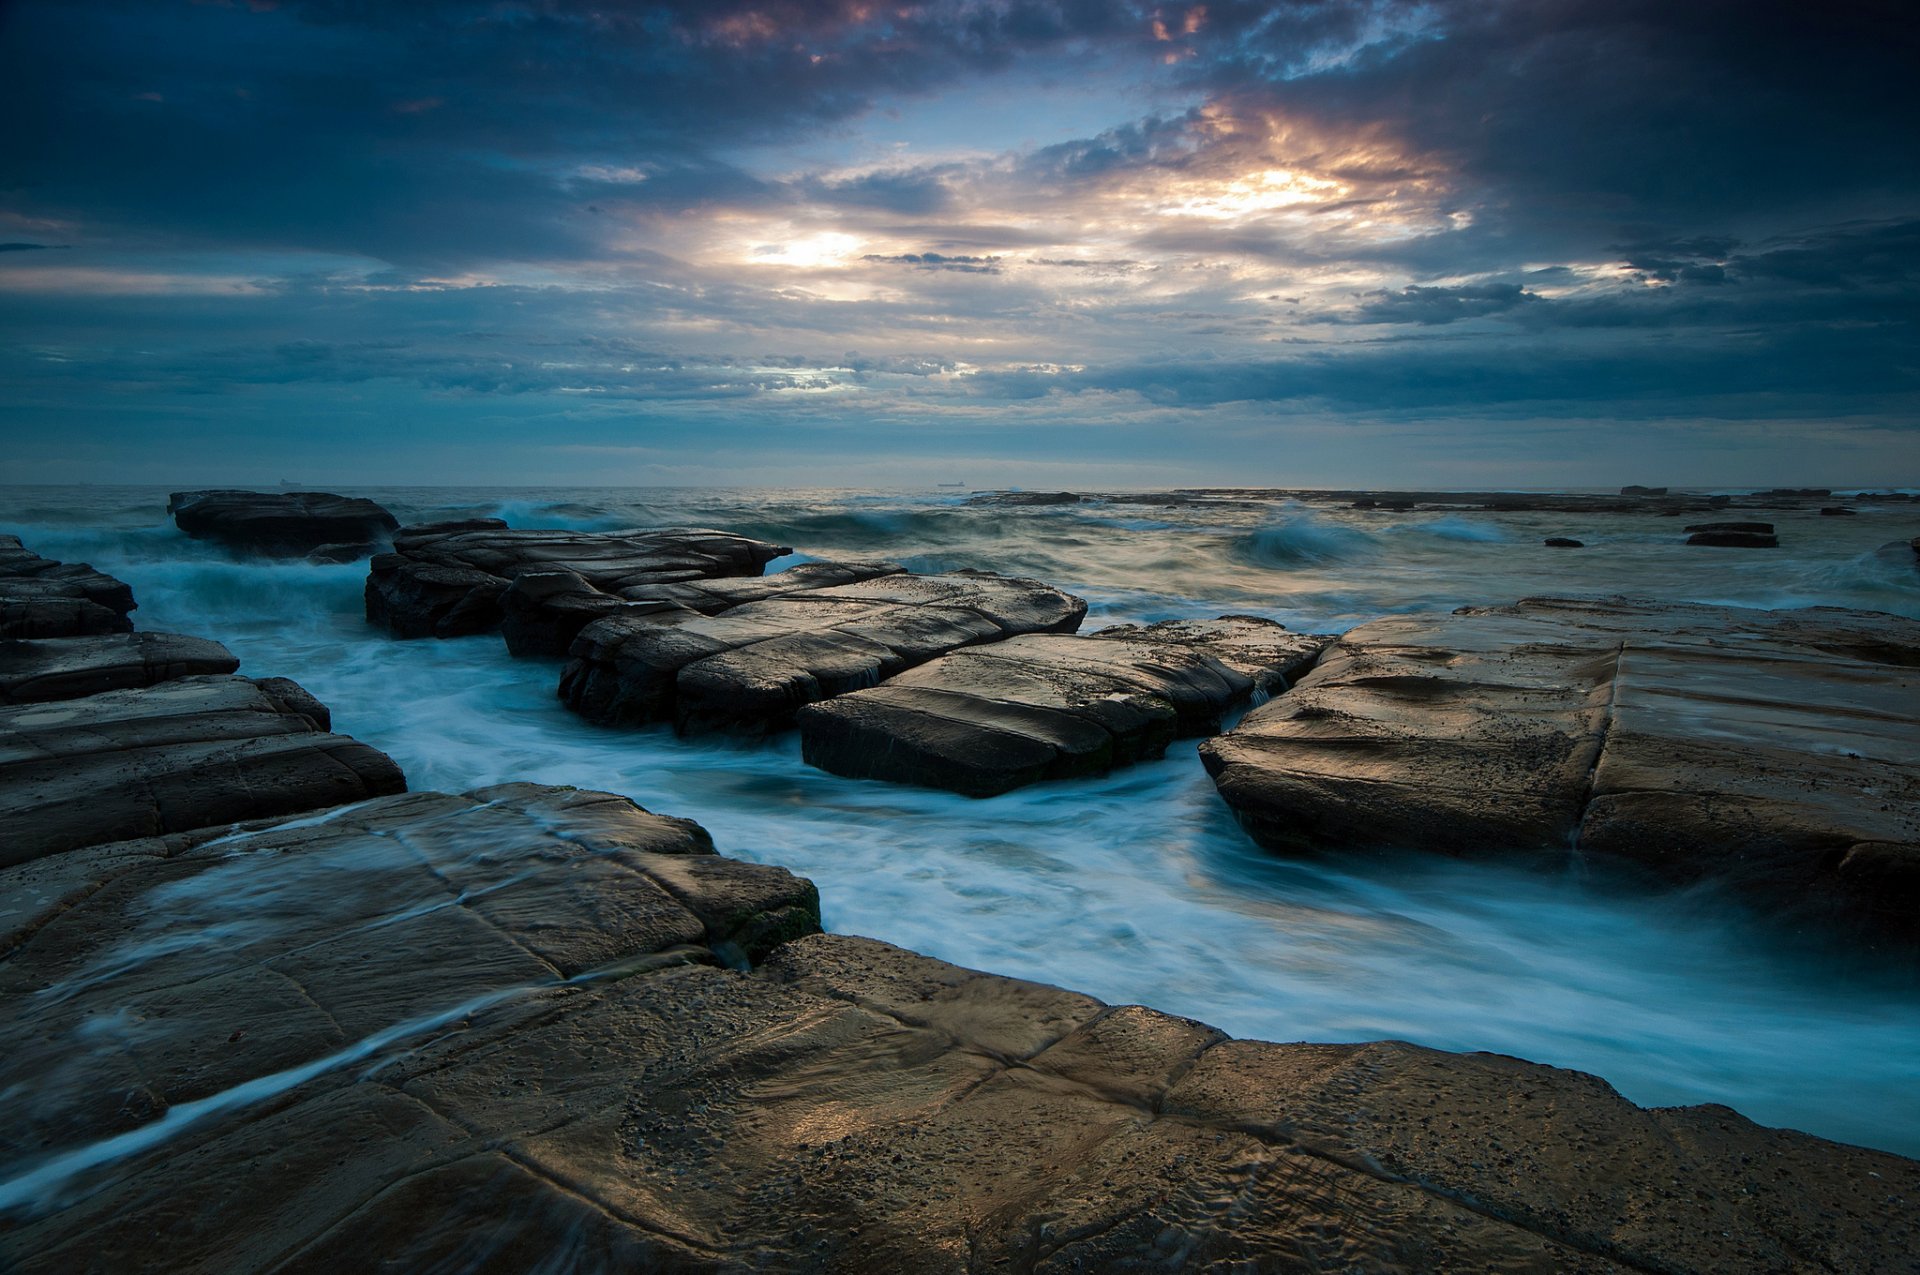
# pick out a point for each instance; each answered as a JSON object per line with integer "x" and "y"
{"x": 1444, "y": 305}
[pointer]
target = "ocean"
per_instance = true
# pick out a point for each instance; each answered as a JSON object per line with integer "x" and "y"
{"x": 1139, "y": 887}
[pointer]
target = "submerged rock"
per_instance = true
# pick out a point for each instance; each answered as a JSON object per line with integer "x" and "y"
{"x": 1563, "y": 542}
{"x": 1026, "y": 498}
{"x": 986, "y": 719}
{"x": 288, "y": 524}
{"x": 751, "y": 667}
{"x": 543, "y": 611}
{"x": 1774, "y": 751}
{"x": 1837, "y": 511}
{"x": 450, "y": 579}
{"x": 1735, "y": 539}
{"x": 44, "y": 598}
{"x": 504, "y": 1037}
{"x": 33, "y": 670}
{"x": 188, "y": 753}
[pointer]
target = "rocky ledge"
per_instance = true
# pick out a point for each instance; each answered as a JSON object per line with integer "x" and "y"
{"x": 987, "y": 719}
{"x": 751, "y": 667}
{"x": 42, "y": 598}
{"x": 33, "y": 670}
{"x": 448, "y": 579}
{"x": 317, "y": 525}
{"x": 532, "y": 1028}
{"x": 1772, "y": 751}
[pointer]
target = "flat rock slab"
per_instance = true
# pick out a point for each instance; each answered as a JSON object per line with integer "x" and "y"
{"x": 987, "y": 719}
{"x": 287, "y": 524}
{"x": 1776, "y": 751}
{"x": 449, "y": 579}
{"x": 750, "y": 668}
{"x": 37, "y": 669}
{"x": 44, "y": 598}
{"x": 189, "y": 753}
{"x": 543, "y": 610}
{"x": 469, "y": 1103}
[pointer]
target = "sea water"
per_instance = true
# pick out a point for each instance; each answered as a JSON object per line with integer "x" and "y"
{"x": 1139, "y": 887}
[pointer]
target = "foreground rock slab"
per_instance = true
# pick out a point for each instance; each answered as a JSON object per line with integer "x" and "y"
{"x": 749, "y": 668}
{"x": 448, "y": 579}
{"x": 488, "y": 1087}
{"x": 44, "y": 598}
{"x": 1774, "y": 751}
{"x": 288, "y": 524}
{"x": 987, "y": 719}
{"x": 34, "y": 670}
{"x": 189, "y": 753}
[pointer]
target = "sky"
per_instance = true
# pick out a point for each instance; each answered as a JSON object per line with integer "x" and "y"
{"x": 996, "y": 242}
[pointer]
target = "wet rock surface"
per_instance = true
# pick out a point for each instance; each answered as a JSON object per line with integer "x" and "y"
{"x": 188, "y": 753}
{"x": 751, "y": 667}
{"x": 44, "y": 598}
{"x": 33, "y": 670}
{"x": 450, "y": 579}
{"x": 1772, "y": 751}
{"x": 543, "y": 611}
{"x": 482, "y": 1086}
{"x": 987, "y": 719}
{"x": 290, "y": 524}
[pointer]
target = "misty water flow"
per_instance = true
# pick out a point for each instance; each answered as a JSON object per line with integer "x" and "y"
{"x": 1139, "y": 887}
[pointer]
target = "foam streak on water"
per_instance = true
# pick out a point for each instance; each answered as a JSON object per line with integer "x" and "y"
{"x": 1139, "y": 886}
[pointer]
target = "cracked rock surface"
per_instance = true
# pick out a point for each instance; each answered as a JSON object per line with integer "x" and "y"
{"x": 1774, "y": 751}
{"x": 749, "y": 668}
{"x": 986, "y": 719}
{"x": 44, "y": 598}
{"x": 448, "y": 579}
{"x": 33, "y": 669}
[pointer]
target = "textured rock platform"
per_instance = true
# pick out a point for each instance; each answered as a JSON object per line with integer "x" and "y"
{"x": 183, "y": 754}
{"x": 751, "y": 667}
{"x": 987, "y": 719}
{"x": 1774, "y": 751}
{"x": 43, "y": 598}
{"x": 288, "y": 524}
{"x": 532, "y": 1028}
{"x": 449, "y": 579}
{"x": 32, "y": 670}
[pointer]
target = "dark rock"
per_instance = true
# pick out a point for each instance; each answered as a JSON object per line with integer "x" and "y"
{"x": 1020, "y": 498}
{"x": 1634, "y": 490}
{"x": 43, "y": 598}
{"x": 1563, "y": 542}
{"x": 1774, "y": 751}
{"x": 1797, "y": 493}
{"x": 543, "y": 611}
{"x": 290, "y": 524}
{"x": 1719, "y": 502}
{"x": 1836, "y": 511}
{"x": 183, "y": 754}
{"x": 1735, "y": 539}
{"x": 450, "y": 579}
{"x": 750, "y": 668}
{"x": 530, "y": 1059}
{"x": 33, "y": 670}
{"x": 1754, "y": 528}
{"x": 987, "y": 719}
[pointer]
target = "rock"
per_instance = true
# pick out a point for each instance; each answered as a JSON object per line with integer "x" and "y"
{"x": 986, "y": 719}
{"x": 1735, "y": 539}
{"x": 543, "y": 611}
{"x": 749, "y": 668}
{"x": 188, "y": 753}
{"x": 1719, "y": 502}
{"x": 1025, "y": 498}
{"x": 450, "y": 579}
{"x": 1836, "y": 511}
{"x": 1634, "y": 490}
{"x": 1772, "y": 751}
{"x": 532, "y": 1060}
{"x": 289, "y": 524}
{"x": 1750, "y": 528}
{"x": 42, "y": 598}
{"x": 1563, "y": 542}
{"x": 1796, "y": 493}
{"x": 33, "y": 670}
